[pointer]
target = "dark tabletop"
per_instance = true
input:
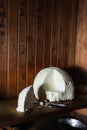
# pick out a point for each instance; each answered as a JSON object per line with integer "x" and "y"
{"x": 10, "y": 117}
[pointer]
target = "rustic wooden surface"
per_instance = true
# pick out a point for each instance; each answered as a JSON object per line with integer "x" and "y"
{"x": 9, "y": 117}
{"x": 34, "y": 34}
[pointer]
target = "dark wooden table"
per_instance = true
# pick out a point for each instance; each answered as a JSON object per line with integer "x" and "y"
{"x": 9, "y": 117}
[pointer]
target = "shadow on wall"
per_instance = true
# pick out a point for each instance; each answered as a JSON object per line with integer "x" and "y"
{"x": 79, "y": 76}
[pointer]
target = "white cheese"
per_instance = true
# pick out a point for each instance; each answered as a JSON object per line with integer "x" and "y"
{"x": 54, "y": 84}
{"x": 25, "y": 99}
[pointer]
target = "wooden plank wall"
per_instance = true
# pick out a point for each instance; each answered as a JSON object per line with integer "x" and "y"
{"x": 34, "y": 34}
{"x": 81, "y": 36}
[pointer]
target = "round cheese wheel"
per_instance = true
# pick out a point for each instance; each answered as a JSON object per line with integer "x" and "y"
{"x": 53, "y": 79}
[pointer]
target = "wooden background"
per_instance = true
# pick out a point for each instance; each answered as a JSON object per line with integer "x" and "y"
{"x": 81, "y": 35}
{"x": 35, "y": 34}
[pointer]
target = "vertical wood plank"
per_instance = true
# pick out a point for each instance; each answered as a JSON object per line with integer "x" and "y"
{"x": 31, "y": 41}
{"x": 72, "y": 31}
{"x": 3, "y": 48}
{"x": 61, "y": 33}
{"x": 66, "y": 33}
{"x": 22, "y": 48}
{"x": 81, "y": 36}
{"x": 40, "y": 33}
{"x": 48, "y": 29}
{"x": 12, "y": 39}
{"x": 54, "y": 35}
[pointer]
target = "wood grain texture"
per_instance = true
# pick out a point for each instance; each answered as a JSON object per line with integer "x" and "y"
{"x": 81, "y": 38}
{"x": 31, "y": 41}
{"x": 22, "y": 45}
{"x": 13, "y": 48}
{"x": 54, "y": 33}
{"x": 3, "y": 48}
{"x": 38, "y": 34}
{"x": 66, "y": 33}
{"x": 48, "y": 29}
